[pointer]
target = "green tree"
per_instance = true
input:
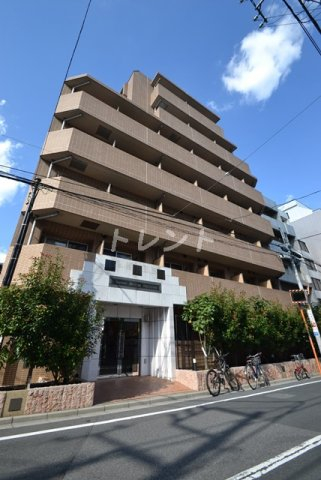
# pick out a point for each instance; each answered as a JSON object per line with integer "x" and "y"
{"x": 209, "y": 315}
{"x": 48, "y": 322}
{"x": 240, "y": 324}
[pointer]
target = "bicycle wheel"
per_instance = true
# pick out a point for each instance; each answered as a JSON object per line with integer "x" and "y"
{"x": 298, "y": 374}
{"x": 232, "y": 380}
{"x": 213, "y": 382}
{"x": 251, "y": 378}
{"x": 305, "y": 373}
{"x": 266, "y": 379}
{"x": 262, "y": 377}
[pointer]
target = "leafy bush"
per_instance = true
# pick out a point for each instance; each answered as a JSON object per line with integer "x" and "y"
{"x": 47, "y": 321}
{"x": 245, "y": 325}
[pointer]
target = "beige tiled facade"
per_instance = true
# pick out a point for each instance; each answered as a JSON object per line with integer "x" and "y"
{"x": 152, "y": 164}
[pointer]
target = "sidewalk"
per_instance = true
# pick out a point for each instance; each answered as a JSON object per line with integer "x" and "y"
{"x": 124, "y": 396}
{"x": 112, "y": 394}
{"x": 134, "y": 388}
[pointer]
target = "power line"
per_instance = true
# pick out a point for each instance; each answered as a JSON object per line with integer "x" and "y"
{"x": 292, "y": 119}
{"x": 77, "y": 41}
{"x": 309, "y": 18}
{"x": 260, "y": 146}
{"x": 306, "y": 31}
{"x": 315, "y": 23}
{"x": 310, "y": 236}
{"x": 65, "y": 181}
{"x": 159, "y": 218}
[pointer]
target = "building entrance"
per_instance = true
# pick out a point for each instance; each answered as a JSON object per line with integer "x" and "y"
{"x": 120, "y": 344}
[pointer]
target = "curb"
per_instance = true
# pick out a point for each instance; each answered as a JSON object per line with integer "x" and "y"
{"x": 111, "y": 407}
{"x": 95, "y": 410}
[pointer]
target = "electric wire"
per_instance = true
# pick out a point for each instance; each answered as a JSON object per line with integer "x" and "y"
{"x": 158, "y": 219}
{"x": 226, "y": 173}
{"x": 77, "y": 41}
{"x": 230, "y": 219}
{"x": 133, "y": 211}
{"x": 277, "y": 132}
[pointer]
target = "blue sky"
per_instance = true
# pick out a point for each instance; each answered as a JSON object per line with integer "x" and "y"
{"x": 258, "y": 81}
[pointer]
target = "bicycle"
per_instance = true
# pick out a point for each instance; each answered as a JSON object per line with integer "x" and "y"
{"x": 300, "y": 371}
{"x": 216, "y": 377}
{"x": 253, "y": 371}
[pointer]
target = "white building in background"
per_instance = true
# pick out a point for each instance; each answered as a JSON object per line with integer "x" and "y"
{"x": 307, "y": 226}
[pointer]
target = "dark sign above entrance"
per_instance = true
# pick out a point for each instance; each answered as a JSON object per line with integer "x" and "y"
{"x": 120, "y": 282}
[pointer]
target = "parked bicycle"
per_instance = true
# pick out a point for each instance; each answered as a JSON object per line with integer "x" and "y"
{"x": 254, "y": 373}
{"x": 216, "y": 377}
{"x": 300, "y": 371}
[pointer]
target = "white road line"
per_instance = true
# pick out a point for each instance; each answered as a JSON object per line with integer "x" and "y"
{"x": 259, "y": 470}
{"x": 152, "y": 414}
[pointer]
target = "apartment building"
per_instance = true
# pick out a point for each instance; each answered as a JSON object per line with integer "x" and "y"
{"x": 306, "y": 225}
{"x": 145, "y": 199}
{"x": 299, "y": 264}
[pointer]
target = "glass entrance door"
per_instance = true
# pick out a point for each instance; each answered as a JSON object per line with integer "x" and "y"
{"x": 119, "y": 353}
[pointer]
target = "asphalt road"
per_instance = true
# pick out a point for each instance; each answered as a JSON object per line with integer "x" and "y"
{"x": 273, "y": 433}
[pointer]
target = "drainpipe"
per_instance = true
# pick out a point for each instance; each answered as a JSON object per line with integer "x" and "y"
{"x": 56, "y": 161}
{"x": 68, "y": 120}
{"x": 54, "y": 214}
{"x": 80, "y": 85}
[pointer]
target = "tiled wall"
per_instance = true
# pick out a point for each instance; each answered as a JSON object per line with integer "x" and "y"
{"x": 276, "y": 371}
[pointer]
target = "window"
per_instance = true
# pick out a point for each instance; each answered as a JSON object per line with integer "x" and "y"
{"x": 110, "y": 265}
{"x": 127, "y": 256}
{"x": 310, "y": 264}
{"x": 137, "y": 270}
{"x": 78, "y": 246}
{"x": 161, "y": 274}
{"x": 56, "y": 242}
{"x": 117, "y": 254}
{"x": 316, "y": 283}
{"x": 176, "y": 266}
{"x": 67, "y": 243}
{"x": 303, "y": 246}
{"x": 278, "y": 235}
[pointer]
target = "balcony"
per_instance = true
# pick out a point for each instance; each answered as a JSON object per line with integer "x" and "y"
{"x": 92, "y": 116}
{"x": 110, "y": 165}
{"x": 102, "y": 212}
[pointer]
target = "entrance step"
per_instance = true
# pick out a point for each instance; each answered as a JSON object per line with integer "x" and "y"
{"x": 121, "y": 388}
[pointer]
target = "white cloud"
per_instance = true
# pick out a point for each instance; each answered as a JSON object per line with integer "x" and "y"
{"x": 289, "y": 197}
{"x": 8, "y": 188}
{"x": 263, "y": 61}
{"x": 219, "y": 108}
{"x": 2, "y": 256}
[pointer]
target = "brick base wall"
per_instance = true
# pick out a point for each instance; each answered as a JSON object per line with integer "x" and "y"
{"x": 61, "y": 397}
{"x": 275, "y": 371}
{"x": 52, "y": 399}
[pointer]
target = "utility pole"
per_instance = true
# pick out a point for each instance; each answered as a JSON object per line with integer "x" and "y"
{"x": 296, "y": 14}
{"x": 259, "y": 14}
{"x": 309, "y": 311}
{"x": 304, "y": 301}
{"x": 24, "y": 226}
